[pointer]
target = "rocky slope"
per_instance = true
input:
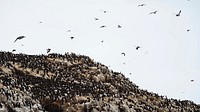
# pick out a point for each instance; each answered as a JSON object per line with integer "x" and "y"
{"x": 74, "y": 83}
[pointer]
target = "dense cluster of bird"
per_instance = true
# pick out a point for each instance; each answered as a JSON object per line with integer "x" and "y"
{"x": 73, "y": 83}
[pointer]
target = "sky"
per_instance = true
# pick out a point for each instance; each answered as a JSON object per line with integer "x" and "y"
{"x": 169, "y": 57}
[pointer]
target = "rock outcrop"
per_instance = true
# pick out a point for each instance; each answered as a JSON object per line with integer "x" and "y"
{"x": 74, "y": 83}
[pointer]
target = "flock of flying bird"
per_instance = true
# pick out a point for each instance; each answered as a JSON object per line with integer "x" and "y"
{"x": 103, "y": 26}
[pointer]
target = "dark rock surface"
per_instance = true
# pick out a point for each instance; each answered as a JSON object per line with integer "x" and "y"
{"x": 74, "y": 83}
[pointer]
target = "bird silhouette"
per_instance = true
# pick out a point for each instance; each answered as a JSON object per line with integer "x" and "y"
{"x": 103, "y": 11}
{"x": 141, "y": 5}
{"x": 119, "y": 26}
{"x": 137, "y": 47}
{"x": 192, "y": 80}
{"x": 153, "y": 12}
{"x": 188, "y": 30}
{"x": 96, "y": 19}
{"x": 179, "y": 13}
{"x": 48, "y": 50}
{"x": 103, "y": 26}
{"x": 72, "y": 38}
{"x": 102, "y": 41}
{"x": 68, "y": 30}
{"x": 13, "y": 50}
{"x": 19, "y": 38}
{"x": 123, "y": 53}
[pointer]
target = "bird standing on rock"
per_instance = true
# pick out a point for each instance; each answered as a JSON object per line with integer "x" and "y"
{"x": 19, "y": 38}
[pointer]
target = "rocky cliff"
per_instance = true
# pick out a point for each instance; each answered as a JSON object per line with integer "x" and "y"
{"x": 74, "y": 83}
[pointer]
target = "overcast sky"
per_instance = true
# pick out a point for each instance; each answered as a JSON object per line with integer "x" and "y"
{"x": 169, "y": 57}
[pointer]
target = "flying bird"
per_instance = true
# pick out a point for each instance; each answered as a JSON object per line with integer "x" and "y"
{"x": 103, "y": 26}
{"x": 19, "y": 38}
{"x": 102, "y": 41}
{"x": 48, "y": 50}
{"x": 188, "y": 30}
{"x": 72, "y": 38}
{"x": 137, "y": 47}
{"x": 68, "y": 30}
{"x": 13, "y": 50}
{"x": 103, "y": 11}
{"x": 40, "y": 22}
{"x": 179, "y": 13}
{"x": 123, "y": 53}
{"x": 119, "y": 26}
{"x": 141, "y": 5}
{"x": 153, "y": 12}
{"x": 96, "y": 19}
{"x": 192, "y": 80}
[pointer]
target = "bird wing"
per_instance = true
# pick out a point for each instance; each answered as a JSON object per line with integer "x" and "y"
{"x": 179, "y": 12}
{"x": 16, "y": 39}
{"x": 20, "y": 37}
{"x": 153, "y": 12}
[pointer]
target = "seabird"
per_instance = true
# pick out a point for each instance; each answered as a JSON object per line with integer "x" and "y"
{"x": 119, "y": 26}
{"x": 103, "y": 26}
{"x": 192, "y": 80}
{"x": 102, "y": 41}
{"x": 96, "y": 18}
{"x": 153, "y": 12}
{"x": 188, "y": 30}
{"x": 68, "y": 30}
{"x": 48, "y": 50}
{"x": 40, "y": 22}
{"x": 123, "y": 53}
{"x": 13, "y": 50}
{"x": 141, "y": 5}
{"x": 137, "y": 47}
{"x": 19, "y": 38}
{"x": 103, "y": 11}
{"x": 72, "y": 38}
{"x": 178, "y": 13}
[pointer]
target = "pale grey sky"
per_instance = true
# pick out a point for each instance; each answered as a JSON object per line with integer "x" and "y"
{"x": 169, "y": 56}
